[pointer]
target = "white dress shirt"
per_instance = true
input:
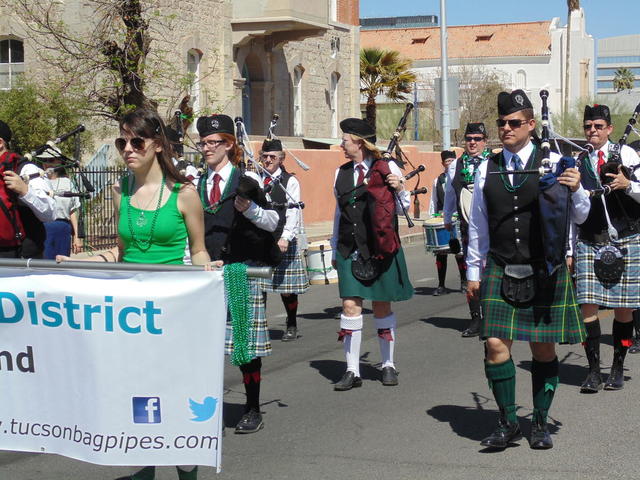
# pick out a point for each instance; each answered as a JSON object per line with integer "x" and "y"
{"x": 261, "y": 218}
{"x": 402, "y": 198}
{"x": 39, "y": 195}
{"x": 293, "y": 217}
{"x": 479, "y": 221}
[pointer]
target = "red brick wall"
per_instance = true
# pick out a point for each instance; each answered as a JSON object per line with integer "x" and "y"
{"x": 349, "y": 12}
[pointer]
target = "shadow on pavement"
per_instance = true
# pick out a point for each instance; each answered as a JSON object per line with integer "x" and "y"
{"x": 334, "y": 369}
{"x": 458, "y": 324}
{"x": 430, "y": 290}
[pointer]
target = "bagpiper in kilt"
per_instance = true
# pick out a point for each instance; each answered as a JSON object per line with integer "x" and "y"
{"x": 619, "y": 210}
{"x": 290, "y": 276}
{"x": 238, "y": 229}
{"x": 520, "y": 299}
{"x": 459, "y": 189}
{"x": 353, "y": 244}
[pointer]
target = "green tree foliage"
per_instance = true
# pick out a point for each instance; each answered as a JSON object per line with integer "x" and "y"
{"x": 37, "y": 115}
{"x": 623, "y": 79}
{"x": 384, "y": 72}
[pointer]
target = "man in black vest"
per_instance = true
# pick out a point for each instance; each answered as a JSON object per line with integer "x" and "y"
{"x": 24, "y": 207}
{"x": 435, "y": 208}
{"x": 458, "y": 199}
{"x": 289, "y": 277}
{"x": 619, "y": 210}
{"x": 520, "y": 301}
{"x": 238, "y": 229}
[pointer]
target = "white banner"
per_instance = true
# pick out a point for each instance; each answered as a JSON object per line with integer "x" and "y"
{"x": 113, "y": 368}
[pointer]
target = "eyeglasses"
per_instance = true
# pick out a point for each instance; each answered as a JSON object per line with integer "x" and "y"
{"x": 137, "y": 143}
{"x": 210, "y": 144}
{"x": 515, "y": 123}
{"x": 597, "y": 126}
{"x": 473, "y": 139}
{"x": 270, "y": 156}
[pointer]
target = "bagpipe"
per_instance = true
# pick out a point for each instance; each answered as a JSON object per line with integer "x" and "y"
{"x": 272, "y": 136}
{"x": 614, "y": 162}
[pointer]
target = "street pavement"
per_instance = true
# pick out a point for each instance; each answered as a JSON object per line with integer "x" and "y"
{"x": 428, "y": 427}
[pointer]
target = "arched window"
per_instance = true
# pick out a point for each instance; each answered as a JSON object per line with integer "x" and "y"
{"x": 333, "y": 98}
{"x": 521, "y": 80}
{"x": 193, "y": 70}
{"x": 297, "y": 101}
{"x": 11, "y": 62}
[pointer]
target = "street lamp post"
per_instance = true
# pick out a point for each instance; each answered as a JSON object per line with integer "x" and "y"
{"x": 444, "y": 91}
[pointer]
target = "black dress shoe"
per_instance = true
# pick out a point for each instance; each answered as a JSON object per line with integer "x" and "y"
{"x": 438, "y": 291}
{"x": 540, "y": 437}
{"x": 592, "y": 384}
{"x": 473, "y": 330}
{"x": 389, "y": 376}
{"x": 616, "y": 377}
{"x": 347, "y": 382}
{"x": 250, "y": 422}
{"x": 502, "y": 436}
{"x": 290, "y": 334}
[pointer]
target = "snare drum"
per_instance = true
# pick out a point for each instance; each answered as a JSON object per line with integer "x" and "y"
{"x": 436, "y": 237}
{"x": 319, "y": 267}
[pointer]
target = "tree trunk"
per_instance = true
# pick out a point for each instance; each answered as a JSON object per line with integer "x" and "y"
{"x": 371, "y": 111}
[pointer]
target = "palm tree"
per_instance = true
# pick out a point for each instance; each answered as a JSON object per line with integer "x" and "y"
{"x": 571, "y": 6}
{"x": 623, "y": 79}
{"x": 383, "y": 72}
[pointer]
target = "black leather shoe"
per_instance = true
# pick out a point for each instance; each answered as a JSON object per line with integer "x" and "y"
{"x": 635, "y": 347}
{"x": 473, "y": 330}
{"x": 290, "y": 334}
{"x": 438, "y": 291}
{"x": 593, "y": 383}
{"x": 502, "y": 436}
{"x": 389, "y": 376}
{"x": 540, "y": 437}
{"x": 250, "y": 422}
{"x": 616, "y": 377}
{"x": 347, "y": 382}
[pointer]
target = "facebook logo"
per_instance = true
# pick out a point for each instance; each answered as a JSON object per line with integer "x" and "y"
{"x": 146, "y": 410}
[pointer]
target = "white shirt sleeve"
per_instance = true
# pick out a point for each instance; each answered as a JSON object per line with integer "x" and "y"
{"x": 292, "y": 214}
{"x": 630, "y": 159}
{"x": 478, "y": 228}
{"x": 261, "y": 218}
{"x": 450, "y": 200}
{"x": 404, "y": 196}
{"x": 434, "y": 197}
{"x": 39, "y": 196}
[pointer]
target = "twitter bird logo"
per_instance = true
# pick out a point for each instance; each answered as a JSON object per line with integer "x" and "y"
{"x": 203, "y": 411}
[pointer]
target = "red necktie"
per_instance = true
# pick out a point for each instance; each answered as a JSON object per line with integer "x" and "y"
{"x": 600, "y": 159}
{"x": 267, "y": 181}
{"x": 360, "y": 170}
{"x": 214, "y": 195}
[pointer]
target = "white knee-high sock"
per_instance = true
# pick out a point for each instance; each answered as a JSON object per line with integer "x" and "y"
{"x": 352, "y": 342}
{"x": 386, "y": 345}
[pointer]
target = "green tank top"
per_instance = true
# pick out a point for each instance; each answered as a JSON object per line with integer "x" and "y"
{"x": 166, "y": 244}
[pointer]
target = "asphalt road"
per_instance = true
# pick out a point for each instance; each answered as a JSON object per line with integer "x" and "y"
{"x": 427, "y": 427}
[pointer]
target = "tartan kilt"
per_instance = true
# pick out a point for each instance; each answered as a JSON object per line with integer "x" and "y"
{"x": 553, "y": 315}
{"x": 290, "y": 276}
{"x": 625, "y": 293}
{"x": 259, "y": 342}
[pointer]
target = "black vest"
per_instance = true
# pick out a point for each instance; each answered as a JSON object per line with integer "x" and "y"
{"x": 230, "y": 236}
{"x": 624, "y": 211}
{"x": 278, "y": 195}
{"x": 442, "y": 178}
{"x": 355, "y": 220}
{"x": 515, "y": 235}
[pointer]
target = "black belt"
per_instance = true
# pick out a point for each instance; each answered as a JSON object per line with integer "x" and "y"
{"x": 603, "y": 236}
{"x": 62, "y": 220}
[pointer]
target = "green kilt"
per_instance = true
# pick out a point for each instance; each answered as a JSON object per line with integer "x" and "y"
{"x": 392, "y": 285}
{"x": 552, "y": 316}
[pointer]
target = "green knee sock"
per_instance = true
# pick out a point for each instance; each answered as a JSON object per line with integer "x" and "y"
{"x": 192, "y": 475}
{"x": 502, "y": 382}
{"x": 544, "y": 382}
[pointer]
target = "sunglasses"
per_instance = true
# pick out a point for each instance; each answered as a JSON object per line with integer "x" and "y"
{"x": 597, "y": 126}
{"x": 210, "y": 144}
{"x": 512, "y": 123}
{"x": 268, "y": 155}
{"x": 137, "y": 143}
{"x": 473, "y": 139}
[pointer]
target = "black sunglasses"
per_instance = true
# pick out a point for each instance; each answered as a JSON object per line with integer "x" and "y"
{"x": 515, "y": 123}
{"x": 473, "y": 139}
{"x": 136, "y": 142}
{"x": 597, "y": 126}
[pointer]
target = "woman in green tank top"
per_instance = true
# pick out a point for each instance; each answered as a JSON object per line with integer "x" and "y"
{"x": 158, "y": 209}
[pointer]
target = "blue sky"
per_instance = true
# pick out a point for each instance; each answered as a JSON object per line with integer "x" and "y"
{"x": 604, "y": 18}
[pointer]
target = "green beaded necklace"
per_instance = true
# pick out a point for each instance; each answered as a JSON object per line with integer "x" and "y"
{"x": 237, "y": 293}
{"x": 466, "y": 174}
{"x": 144, "y": 245}
{"x": 213, "y": 209}
{"x": 504, "y": 172}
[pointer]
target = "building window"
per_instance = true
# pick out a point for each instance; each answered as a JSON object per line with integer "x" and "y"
{"x": 605, "y": 84}
{"x": 297, "y": 100}
{"x": 622, "y": 59}
{"x": 193, "y": 70}
{"x": 521, "y": 80}
{"x": 333, "y": 98}
{"x": 11, "y": 62}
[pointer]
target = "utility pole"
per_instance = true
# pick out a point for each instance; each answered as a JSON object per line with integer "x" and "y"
{"x": 444, "y": 78}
